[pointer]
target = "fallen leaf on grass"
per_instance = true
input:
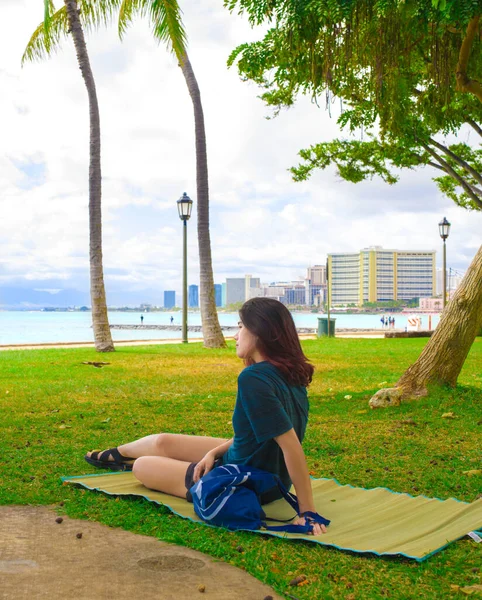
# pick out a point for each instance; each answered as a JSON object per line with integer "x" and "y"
{"x": 347, "y": 397}
{"x": 65, "y": 426}
{"x": 95, "y": 363}
{"x": 449, "y": 415}
{"x": 468, "y": 589}
{"x": 106, "y": 420}
{"x": 473, "y": 472}
{"x": 471, "y": 589}
{"x": 298, "y": 580}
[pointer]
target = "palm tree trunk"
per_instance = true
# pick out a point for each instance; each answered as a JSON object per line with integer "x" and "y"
{"x": 213, "y": 336}
{"x": 100, "y": 322}
{"x": 444, "y": 355}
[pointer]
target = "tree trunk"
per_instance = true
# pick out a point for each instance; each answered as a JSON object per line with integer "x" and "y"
{"x": 100, "y": 322}
{"x": 464, "y": 82}
{"x": 444, "y": 355}
{"x": 213, "y": 336}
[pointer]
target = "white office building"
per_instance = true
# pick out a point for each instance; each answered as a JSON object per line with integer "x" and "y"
{"x": 378, "y": 275}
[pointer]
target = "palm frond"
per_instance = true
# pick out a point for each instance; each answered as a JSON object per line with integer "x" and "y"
{"x": 127, "y": 11}
{"x": 46, "y": 38}
{"x": 166, "y": 20}
{"x": 94, "y": 13}
{"x": 49, "y": 9}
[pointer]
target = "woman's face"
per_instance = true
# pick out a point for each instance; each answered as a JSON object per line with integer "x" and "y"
{"x": 246, "y": 344}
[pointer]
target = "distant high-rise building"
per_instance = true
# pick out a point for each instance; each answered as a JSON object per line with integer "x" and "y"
{"x": 315, "y": 284}
{"x": 193, "y": 296}
{"x": 378, "y": 275}
{"x": 317, "y": 274}
{"x": 223, "y": 294}
{"x": 251, "y": 287}
{"x": 295, "y": 294}
{"x": 235, "y": 290}
{"x": 218, "y": 294}
{"x": 169, "y": 299}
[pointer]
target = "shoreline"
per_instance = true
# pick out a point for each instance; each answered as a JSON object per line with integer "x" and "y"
{"x": 304, "y": 335}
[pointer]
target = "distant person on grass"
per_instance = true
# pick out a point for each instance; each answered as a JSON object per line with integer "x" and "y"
{"x": 269, "y": 419}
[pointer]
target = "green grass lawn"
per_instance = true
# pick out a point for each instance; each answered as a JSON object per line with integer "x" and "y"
{"x": 54, "y": 409}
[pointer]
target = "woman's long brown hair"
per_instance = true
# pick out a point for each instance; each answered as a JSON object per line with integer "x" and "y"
{"x": 277, "y": 339}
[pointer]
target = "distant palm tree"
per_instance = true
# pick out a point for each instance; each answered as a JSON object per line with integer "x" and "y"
{"x": 42, "y": 42}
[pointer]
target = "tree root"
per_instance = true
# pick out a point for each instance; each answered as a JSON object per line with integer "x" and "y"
{"x": 387, "y": 397}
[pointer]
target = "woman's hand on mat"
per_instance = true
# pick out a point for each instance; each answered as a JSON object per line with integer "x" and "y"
{"x": 204, "y": 466}
{"x": 317, "y": 528}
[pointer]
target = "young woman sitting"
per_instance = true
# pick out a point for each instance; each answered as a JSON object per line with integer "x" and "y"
{"x": 269, "y": 419}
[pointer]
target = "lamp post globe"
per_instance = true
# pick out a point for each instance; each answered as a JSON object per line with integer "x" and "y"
{"x": 184, "y": 207}
{"x": 444, "y": 230}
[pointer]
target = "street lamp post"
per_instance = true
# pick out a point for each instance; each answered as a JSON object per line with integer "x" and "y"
{"x": 444, "y": 230}
{"x": 184, "y": 206}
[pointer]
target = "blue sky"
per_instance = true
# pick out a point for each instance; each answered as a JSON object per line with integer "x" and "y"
{"x": 261, "y": 222}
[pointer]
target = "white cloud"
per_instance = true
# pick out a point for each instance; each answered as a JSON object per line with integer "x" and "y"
{"x": 261, "y": 221}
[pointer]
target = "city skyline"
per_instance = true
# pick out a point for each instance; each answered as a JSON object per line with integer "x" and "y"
{"x": 261, "y": 221}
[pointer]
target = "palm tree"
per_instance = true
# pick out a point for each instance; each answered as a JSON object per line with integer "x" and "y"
{"x": 167, "y": 27}
{"x": 42, "y": 43}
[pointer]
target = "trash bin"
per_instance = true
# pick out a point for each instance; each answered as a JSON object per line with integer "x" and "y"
{"x": 323, "y": 327}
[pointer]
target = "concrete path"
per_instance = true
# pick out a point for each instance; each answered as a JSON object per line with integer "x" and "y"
{"x": 81, "y": 560}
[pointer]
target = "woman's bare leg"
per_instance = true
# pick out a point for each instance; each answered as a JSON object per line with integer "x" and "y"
{"x": 189, "y": 448}
{"x": 162, "y": 459}
{"x": 161, "y": 473}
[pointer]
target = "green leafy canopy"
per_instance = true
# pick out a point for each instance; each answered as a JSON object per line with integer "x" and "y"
{"x": 405, "y": 71}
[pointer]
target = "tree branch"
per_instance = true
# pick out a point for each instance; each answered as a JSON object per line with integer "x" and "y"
{"x": 436, "y": 166}
{"x": 464, "y": 83}
{"x": 465, "y": 165}
{"x": 475, "y": 126}
{"x": 461, "y": 181}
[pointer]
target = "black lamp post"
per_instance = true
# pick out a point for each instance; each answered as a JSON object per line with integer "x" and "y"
{"x": 444, "y": 230}
{"x": 184, "y": 206}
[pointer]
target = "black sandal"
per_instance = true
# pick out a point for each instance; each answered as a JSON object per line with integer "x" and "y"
{"x": 102, "y": 460}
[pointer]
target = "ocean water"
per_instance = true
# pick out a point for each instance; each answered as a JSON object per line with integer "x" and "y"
{"x": 36, "y": 327}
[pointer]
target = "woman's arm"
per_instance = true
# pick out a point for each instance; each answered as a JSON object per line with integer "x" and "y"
{"x": 298, "y": 471}
{"x": 206, "y": 463}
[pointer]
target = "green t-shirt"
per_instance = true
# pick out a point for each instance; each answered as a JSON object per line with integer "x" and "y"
{"x": 266, "y": 406}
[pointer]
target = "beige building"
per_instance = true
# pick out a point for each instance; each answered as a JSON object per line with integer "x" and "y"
{"x": 378, "y": 275}
{"x": 315, "y": 284}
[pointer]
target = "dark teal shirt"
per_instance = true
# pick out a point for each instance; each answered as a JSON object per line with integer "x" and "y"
{"x": 266, "y": 406}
